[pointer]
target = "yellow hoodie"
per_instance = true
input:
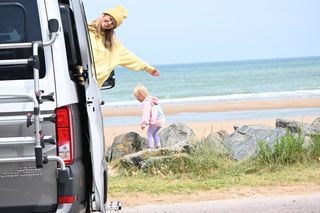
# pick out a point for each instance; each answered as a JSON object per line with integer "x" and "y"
{"x": 106, "y": 60}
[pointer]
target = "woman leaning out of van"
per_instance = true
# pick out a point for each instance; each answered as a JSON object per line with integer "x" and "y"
{"x": 108, "y": 51}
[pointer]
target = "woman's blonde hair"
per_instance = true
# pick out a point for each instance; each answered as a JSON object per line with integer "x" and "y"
{"x": 140, "y": 90}
{"x": 107, "y": 35}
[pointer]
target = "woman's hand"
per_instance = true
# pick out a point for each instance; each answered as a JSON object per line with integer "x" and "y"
{"x": 155, "y": 72}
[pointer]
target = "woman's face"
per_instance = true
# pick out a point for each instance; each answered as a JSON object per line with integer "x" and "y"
{"x": 107, "y": 22}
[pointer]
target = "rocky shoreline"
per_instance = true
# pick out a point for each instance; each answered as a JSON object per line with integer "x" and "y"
{"x": 178, "y": 139}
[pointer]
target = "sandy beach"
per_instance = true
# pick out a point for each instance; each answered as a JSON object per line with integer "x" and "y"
{"x": 203, "y": 128}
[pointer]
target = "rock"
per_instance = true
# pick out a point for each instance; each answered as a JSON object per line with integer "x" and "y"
{"x": 133, "y": 159}
{"x": 126, "y": 144}
{"x": 177, "y": 133}
{"x": 316, "y": 125}
{"x": 216, "y": 141}
{"x": 243, "y": 143}
{"x": 138, "y": 158}
{"x": 145, "y": 165}
{"x": 299, "y": 127}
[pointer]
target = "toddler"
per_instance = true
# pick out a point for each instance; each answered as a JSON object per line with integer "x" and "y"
{"x": 152, "y": 115}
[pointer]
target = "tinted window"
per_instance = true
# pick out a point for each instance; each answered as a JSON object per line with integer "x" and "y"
{"x": 72, "y": 43}
{"x": 19, "y": 23}
{"x": 70, "y": 35}
{"x": 12, "y": 27}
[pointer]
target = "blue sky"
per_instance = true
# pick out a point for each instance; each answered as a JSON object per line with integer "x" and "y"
{"x": 185, "y": 31}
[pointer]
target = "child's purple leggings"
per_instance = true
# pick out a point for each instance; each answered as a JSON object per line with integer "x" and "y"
{"x": 153, "y": 136}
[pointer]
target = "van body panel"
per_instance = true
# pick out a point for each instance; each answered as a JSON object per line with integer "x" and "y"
{"x": 19, "y": 180}
{"x": 63, "y": 80}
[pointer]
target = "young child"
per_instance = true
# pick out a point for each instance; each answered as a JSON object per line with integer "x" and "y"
{"x": 152, "y": 115}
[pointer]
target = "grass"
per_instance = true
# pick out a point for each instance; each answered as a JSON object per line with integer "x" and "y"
{"x": 288, "y": 162}
{"x": 171, "y": 184}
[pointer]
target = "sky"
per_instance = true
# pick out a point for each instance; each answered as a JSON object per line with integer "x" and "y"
{"x": 186, "y": 31}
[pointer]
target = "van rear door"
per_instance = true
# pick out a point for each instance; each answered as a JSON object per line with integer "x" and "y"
{"x": 23, "y": 186}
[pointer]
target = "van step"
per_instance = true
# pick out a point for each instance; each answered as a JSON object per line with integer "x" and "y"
{"x": 114, "y": 206}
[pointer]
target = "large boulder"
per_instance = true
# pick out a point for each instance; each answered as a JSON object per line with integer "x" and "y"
{"x": 243, "y": 143}
{"x": 126, "y": 144}
{"x": 164, "y": 160}
{"x": 316, "y": 125}
{"x": 299, "y": 127}
{"x": 215, "y": 140}
{"x": 142, "y": 159}
{"x": 177, "y": 133}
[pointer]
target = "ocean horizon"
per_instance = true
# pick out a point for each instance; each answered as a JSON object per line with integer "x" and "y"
{"x": 268, "y": 79}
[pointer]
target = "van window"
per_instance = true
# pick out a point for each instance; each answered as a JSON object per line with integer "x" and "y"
{"x": 19, "y": 23}
{"x": 70, "y": 35}
{"x": 71, "y": 42}
{"x": 12, "y": 27}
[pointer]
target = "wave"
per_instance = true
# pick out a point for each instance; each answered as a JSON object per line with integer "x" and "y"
{"x": 298, "y": 94}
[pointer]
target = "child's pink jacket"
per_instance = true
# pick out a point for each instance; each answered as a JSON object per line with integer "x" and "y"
{"x": 152, "y": 112}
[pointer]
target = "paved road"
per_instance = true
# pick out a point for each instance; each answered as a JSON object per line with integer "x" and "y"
{"x": 285, "y": 204}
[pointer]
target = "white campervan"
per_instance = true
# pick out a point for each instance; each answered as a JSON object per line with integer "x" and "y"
{"x": 51, "y": 125}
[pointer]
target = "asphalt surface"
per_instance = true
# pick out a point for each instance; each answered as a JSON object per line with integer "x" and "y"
{"x": 309, "y": 203}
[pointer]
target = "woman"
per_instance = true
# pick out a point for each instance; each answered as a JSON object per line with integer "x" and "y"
{"x": 108, "y": 51}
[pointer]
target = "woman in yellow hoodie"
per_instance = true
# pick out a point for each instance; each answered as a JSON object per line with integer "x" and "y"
{"x": 108, "y": 52}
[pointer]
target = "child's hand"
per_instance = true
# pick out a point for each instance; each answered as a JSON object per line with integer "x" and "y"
{"x": 143, "y": 126}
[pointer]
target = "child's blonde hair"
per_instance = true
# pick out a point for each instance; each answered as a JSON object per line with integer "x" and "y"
{"x": 140, "y": 90}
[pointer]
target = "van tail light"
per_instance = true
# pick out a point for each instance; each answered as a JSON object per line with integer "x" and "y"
{"x": 64, "y": 134}
{"x": 67, "y": 199}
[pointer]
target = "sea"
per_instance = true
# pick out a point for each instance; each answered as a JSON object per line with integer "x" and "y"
{"x": 283, "y": 78}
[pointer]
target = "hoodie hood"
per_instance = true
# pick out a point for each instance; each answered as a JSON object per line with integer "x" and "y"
{"x": 153, "y": 100}
{"x": 91, "y": 27}
{"x": 152, "y": 113}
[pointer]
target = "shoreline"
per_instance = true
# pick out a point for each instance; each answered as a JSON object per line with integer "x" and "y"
{"x": 225, "y": 106}
{"x": 204, "y": 128}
